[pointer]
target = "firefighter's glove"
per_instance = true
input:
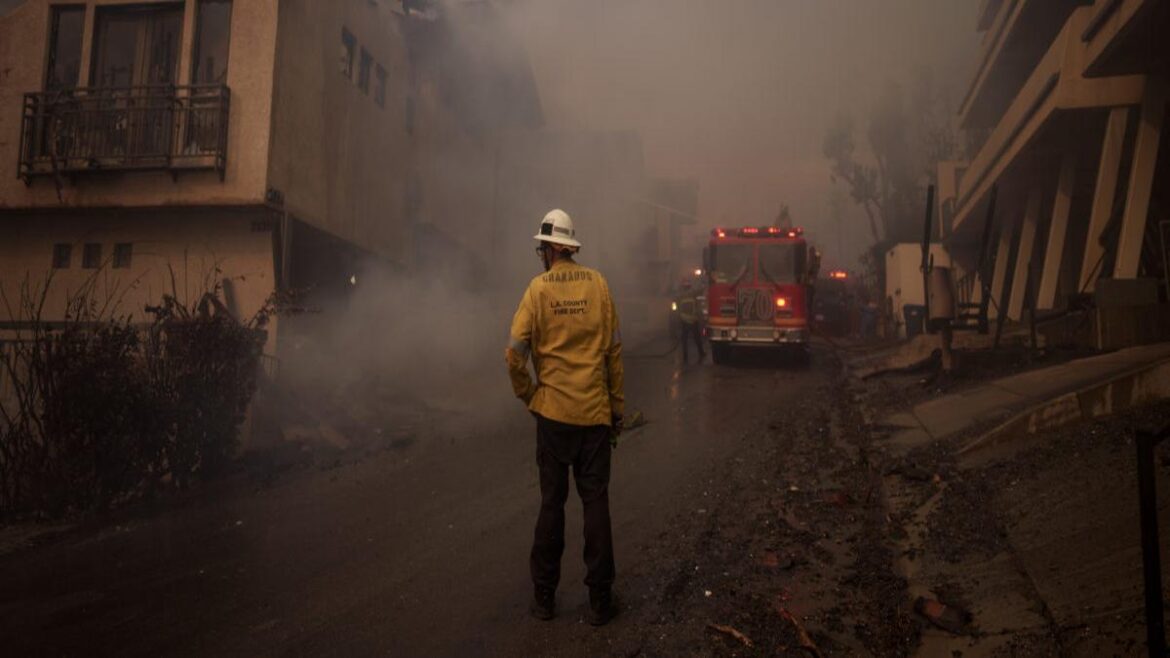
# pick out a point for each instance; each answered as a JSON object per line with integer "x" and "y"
{"x": 522, "y": 384}
{"x": 615, "y": 429}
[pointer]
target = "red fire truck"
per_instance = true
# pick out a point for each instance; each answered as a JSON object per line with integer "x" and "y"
{"x": 758, "y": 282}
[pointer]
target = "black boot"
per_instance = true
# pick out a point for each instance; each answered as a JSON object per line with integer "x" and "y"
{"x": 544, "y": 603}
{"x": 602, "y": 606}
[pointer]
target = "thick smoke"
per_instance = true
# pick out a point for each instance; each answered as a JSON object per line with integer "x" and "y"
{"x": 400, "y": 356}
{"x": 739, "y": 94}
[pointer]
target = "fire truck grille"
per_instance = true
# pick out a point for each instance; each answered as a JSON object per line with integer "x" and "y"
{"x": 755, "y": 334}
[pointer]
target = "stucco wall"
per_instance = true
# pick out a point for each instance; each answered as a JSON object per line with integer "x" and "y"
{"x": 199, "y": 246}
{"x": 23, "y": 47}
{"x": 338, "y": 159}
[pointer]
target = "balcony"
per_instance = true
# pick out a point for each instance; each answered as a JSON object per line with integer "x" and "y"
{"x": 1019, "y": 34}
{"x": 1055, "y": 84}
{"x": 158, "y": 128}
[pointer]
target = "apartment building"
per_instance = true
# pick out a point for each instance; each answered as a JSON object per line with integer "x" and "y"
{"x": 1065, "y": 122}
{"x": 166, "y": 145}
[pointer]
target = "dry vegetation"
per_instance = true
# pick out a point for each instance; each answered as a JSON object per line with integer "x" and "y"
{"x": 96, "y": 410}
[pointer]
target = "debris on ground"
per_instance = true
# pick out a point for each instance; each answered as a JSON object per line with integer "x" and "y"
{"x": 773, "y": 560}
{"x": 950, "y": 618}
{"x": 801, "y": 633}
{"x": 731, "y": 632}
{"x": 964, "y": 524}
{"x": 838, "y": 498}
{"x": 911, "y": 471}
{"x": 803, "y": 492}
{"x": 1010, "y": 503}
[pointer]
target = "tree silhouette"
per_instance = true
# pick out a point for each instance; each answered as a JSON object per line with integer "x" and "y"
{"x": 783, "y": 218}
{"x": 906, "y": 140}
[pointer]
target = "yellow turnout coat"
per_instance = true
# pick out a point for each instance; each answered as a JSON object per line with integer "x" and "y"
{"x": 567, "y": 323}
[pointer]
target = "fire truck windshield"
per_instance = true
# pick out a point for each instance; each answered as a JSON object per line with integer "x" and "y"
{"x": 781, "y": 263}
{"x": 730, "y": 262}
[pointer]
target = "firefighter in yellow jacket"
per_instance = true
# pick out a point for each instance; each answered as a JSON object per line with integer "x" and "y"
{"x": 566, "y": 322}
{"x": 689, "y": 315}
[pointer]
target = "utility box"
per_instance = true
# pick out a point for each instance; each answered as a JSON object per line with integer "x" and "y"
{"x": 904, "y": 278}
{"x": 1119, "y": 327}
{"x": 941, "y": 308}
{"x": 1113, "y": 293}
{"x": 1128, "y": 314}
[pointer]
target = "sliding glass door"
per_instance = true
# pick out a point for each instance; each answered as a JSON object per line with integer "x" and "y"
{"x": 135, "y": 67}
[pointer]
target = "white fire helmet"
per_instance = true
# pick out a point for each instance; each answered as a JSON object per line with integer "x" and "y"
{"x": 557, "y": 228}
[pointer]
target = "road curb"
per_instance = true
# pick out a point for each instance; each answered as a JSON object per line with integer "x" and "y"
{"x": 917, "y": 351}
{"x": 1147, "y": 383}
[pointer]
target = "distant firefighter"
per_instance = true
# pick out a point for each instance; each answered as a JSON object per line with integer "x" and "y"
{"x": 689, "y": 315}
{"x": 567, "y": 323}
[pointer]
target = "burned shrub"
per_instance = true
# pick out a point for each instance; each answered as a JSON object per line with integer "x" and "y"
{"x": 95, "y": 411}
{"x": 202, "y": 366}
{"x": 97, "y": 433}
{"x": 79, "y": 435}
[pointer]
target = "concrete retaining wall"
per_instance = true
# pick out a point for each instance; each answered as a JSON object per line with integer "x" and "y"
{"x": 1148, "y": 384}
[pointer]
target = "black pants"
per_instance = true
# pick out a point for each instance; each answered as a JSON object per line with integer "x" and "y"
{"x": 691, "y": 330}
{"x": 586, "y": 449}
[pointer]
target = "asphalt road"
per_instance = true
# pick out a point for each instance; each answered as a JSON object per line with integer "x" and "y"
{"x": 420, "y": 551}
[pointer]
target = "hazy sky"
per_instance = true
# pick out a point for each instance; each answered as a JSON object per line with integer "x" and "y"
{"x": 738, "y": 93}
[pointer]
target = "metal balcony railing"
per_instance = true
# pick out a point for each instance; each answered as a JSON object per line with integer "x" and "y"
{"x": 161, "y": 128}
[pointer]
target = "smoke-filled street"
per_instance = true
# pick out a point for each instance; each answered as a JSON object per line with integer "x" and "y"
{"x": 742, "y": 493}
{"x": 575, "y": 328}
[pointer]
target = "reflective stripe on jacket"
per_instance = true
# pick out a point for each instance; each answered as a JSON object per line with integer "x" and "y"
{"x": 566, "y": 321}
{"x": 688, "y": 307}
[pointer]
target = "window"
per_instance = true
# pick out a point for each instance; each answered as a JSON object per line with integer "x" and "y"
{"x": 123, "y": 251}
{"x": 781, "y": 263}
{"x": 380, "y": 86}
{"x": 91, "y": 256}
{"x": 62, "y": 255}
{"x": 212, "y": 36}
{"x": 730, "y": 262}
{"x": 137, "y": 46}
{"x": 364, "y": 72}
{"x": 348, "y": 45}
{"x": 64, "y": 66}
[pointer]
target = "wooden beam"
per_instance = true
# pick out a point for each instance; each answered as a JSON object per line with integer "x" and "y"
{"x": 1024, "y": 252}
{"x": 1057, "y": 233}
{"x": 1141, "y": 182}
{"x": 1104, "y": 192}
